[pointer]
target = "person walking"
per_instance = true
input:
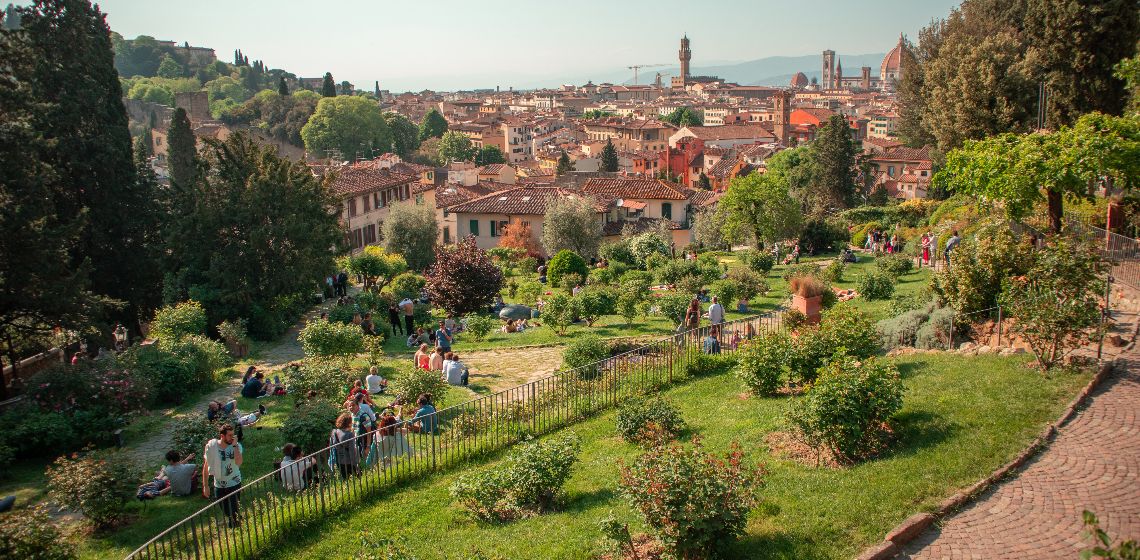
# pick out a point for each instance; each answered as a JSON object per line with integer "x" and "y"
{"x": 443, "y": 338}
{"x": 693, "y": 314}
{"x": 394, "y": 319}
{"x": 926, "y": 249}
{"x": 342, "y": 283}
{"x": 223, "y": 459}
{"x": 951, "y": 244}
{"x": 120, "y": 335}
{"x": 716, "y": 312}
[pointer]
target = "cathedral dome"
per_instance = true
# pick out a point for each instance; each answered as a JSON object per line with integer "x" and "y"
{"x": 800, "y": 80}
{"x": 891, "y": 69}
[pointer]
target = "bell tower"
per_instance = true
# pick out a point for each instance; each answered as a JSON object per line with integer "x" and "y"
{"x": 780, "y": 104}
{"x": 685, "y": 55}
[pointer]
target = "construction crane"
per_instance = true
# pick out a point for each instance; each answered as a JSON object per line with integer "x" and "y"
{"x": 637, "y": 67}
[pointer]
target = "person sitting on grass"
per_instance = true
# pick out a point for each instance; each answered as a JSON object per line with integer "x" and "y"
{"x": 296, "y": 473}
{"x": 358, "y": 389}
{"x": 377, "y": 385}
{"x": 256, "y": 387}
{"x": 412, "y": 341}
{"x": 180, "y": 472}
{"x": 216, "y": 410}
{"x": 422, "y": 357}
{"x": 454, "y": 372}
{"x": 425, "y": 421}
{"x": 436, "y": 361}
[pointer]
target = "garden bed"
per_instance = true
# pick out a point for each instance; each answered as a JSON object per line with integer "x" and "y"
{"x": 962, "y": 417}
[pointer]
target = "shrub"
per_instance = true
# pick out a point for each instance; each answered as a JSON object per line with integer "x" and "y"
{"x": 171, "y": 323}
{"x": 701, "y": 365}
{"x": 673, "y": 306}
{"x": 895, "y": 265}
{"x": 618, "y": 251}
{"x": 463, "y": 279}
{"x": 309, "y": 425}
{"x": 693, "y": 501}
{"x": 901, "y": 331}
{"x": 794, "y": 319}
{"x": 30, "y": 533}
{"x": 561, "y": 312}
{"x": 639, "y": 278}
{"x": 833, "y": 272}
{"x": 234, "y": 332}
{"x": 165, "y": 372}
{"x": 981, "y": 264}
{"x": 820, "y": 236}
{"x": 407, "y": 285}
{"x": 584, "y": 351}
{"x": 845, "y": 326}
{"x": 189, "y": 433}
{"x": 565, "y": 262}
{"x": 374, "y": 347}
{"x": 529, "y": 292}
{"x": 805, "y": 269}
{"x": 328, "y": 340}
{"x": 726, "y": 292}
{"x": 846, "y": 409}
{"x": 760, "y": 262}
{"x": 202, "y": 355}
{"x": 341, "y": 314}
{"x": 876, "y": 284}
{"x": 760, "y": 362}
{"x": 479, "y": 326}
{"x": 749, "y": 284}
{"x": 807, "y": 286}
{"x": 655, "y": 261}
{"x": 627, "y": 304}
{"x": 528, "y": 264}
{"x": 530, "y": 480}
{"x": 323, "y": 376}
{"x": 595, "y": 303}
{"x": 413, "y": 382}
{"x": 645, "y": 244}
{"x": 97, "y": 484}
{"x": 902, "y": 303}
{"x": 935, "y": 334}
{"x": 645, "y": 419}
{"x": 572, "y": 280}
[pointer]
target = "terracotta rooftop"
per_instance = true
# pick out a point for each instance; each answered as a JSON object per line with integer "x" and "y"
{"x": 360, "y": 179}
{"x": 520, "y": 200}
{"x": 905, "y": 153}
{"x": 614, "y": 188}
{"x": 730, "y": 131}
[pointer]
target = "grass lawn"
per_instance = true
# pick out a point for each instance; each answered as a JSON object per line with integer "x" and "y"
{"x": 963, "y": 417}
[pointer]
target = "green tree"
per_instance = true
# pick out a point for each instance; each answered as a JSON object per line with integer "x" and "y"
{"x": 411, "y": 231}
{"x": 349, "y": 125}
{"x": 282, "y": 87}
{"x": 74, "y": 79}
{"x": 170, "y": 68}
{"x": 488, "y": 155}
{"x": 328, "y": 86}
{"x": 571, "y": 223}
{"x": 682, "y": 117}
{"x": 610, "y": 161}
{"x": 265, "y": 221}
{"x": 759, "y": 207}
{"x": 405, "y": 134}
{"x": 433, "y": 125}
{"x": 833, "y": 159}
{"x": 455, "y": 146}
{"x": 39, "y": 287}
{"x": 181, "y": 151}
{"x": 564, "y": 164}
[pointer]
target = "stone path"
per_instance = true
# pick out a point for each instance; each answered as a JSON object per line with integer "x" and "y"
{"x": 1093, "y": 464}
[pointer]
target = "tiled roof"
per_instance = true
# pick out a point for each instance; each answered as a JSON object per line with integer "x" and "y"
{"x": 492, "y": 169}
{"x": 723, "y": 168}
{"x": 451, "y": 194}
{"x": 730, "y": 131}
{"x": 613, "y": 188}
{"x": 519, "y": 200}
{"x": 818, "y": 112}
{"x": 701, "y": 197}
{"x": 905, "y": 153}
{"x": 360, "y": 179}
{"x": 882, "y": 142}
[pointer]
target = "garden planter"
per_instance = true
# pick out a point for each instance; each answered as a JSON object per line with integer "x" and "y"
{"x": 809, "y": 306}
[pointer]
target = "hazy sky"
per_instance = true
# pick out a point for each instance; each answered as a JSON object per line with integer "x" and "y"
{"x": 452, "y": 44}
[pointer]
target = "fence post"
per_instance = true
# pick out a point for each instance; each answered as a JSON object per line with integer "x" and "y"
{"x": 950, "y": 344}
{"x": 1103, "y": 315}
{"x": 998, "y": 345}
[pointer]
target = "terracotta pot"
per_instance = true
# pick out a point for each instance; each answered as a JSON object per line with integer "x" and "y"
{"x": 809, "y": 306}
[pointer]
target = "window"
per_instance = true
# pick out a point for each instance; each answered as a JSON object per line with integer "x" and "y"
{"x": 370, "y": 234}
{"x": 474, "y": 227}
{"x": 890, "y": 171}
{"x": 376, "y": 201}
{"x": 667, "y": 210}
{"x": 494, "y": 229}
{"x": 446, "y": 234}
{"x": 351, "y": 207}
{"x": 364, "y": 200}
{"x": 357, "y": 239}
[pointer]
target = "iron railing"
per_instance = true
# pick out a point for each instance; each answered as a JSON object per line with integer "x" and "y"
{"x": 266, "y": 509}
{"x": 1123, "y": 253}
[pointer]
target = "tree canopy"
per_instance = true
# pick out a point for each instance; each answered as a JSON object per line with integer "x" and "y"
{"x": 683, "y": 116}
{"x": 410, "y": 230}
{"x": 328, "y": 86}
{"x": 455, "y": 146}
{"x": 759, "y": 207}
{"x": 610, "y": 161}
{"x": 349, "y": 125}
{"x": 463, "y": 279}
{"x": 405, "y": 134}
{"x": 571, "y": 223}
{"x": 433, "y": 125}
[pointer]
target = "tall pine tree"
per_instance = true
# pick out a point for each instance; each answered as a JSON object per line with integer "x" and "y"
{"x": 833, "y": 155}
{"x": 181, "y": 152}
{"x": 328, "y": 87}
{"x": 282, "y": 87}
{"x": 84, "y": 114}
{"x": 610, "y": 161}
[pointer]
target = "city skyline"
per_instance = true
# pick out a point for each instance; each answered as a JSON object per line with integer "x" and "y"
{"x": 430, "y": 46}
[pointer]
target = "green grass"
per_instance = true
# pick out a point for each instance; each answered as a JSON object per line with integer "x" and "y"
{"x": 963, "y": 417}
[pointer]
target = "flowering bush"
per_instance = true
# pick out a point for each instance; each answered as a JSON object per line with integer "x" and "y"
{"x": 758, "y": 261}
{"x": 234, "y": 332}
{"x": 749, "y": 284}
{"x": 96, "y": 484}
{"x": 529, "y": 481}
{"x": 980, "y": 264}
{"x": 583, "y": 351}
{"x": 645, "y": 244}
{"x": 833, "y": 272}
{"x": 760, "y": 363}
{"x": 693, "y": 501}
{"x": 561, "y": 311}
{"x": 309, "y": 425}
{"x": 30, "y": 533}
{"x": 672, "y": 306}
{"x": 329, "y": 340}
{"x": 171, "y": 323}
{"x": 846, "y": 409}
{"x": 563, "y": 263}
{"x": 596, "y": 303}
{"x": 895, "y": 265}
{"x": 647, "y": 419}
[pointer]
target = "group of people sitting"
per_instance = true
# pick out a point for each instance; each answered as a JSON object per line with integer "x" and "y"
{"x": 447, "y": 363}
{"x": 514, "y": 326}
{"x": 362, "y": 437}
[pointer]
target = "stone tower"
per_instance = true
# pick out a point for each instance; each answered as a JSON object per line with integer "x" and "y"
{"x": 838, "y": 73}
{"x": 782, "y": 114}
{"x": 827, "y": 77}
{"x": 685, "y": 55}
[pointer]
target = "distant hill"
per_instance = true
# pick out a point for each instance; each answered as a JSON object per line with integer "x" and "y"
{"x": 772, "y": 70}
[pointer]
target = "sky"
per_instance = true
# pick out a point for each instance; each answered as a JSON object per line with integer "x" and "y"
{"x": 464, "y": 44}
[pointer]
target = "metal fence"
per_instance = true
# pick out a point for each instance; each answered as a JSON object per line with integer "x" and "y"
{"x": 263, "y": 510}
{"x": 1122, "y": 252}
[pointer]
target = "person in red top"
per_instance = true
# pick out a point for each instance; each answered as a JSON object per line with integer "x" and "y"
{"x": 358, "y": 387}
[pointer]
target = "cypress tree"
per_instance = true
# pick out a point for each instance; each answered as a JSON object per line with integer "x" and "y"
{"x": 564, "y": 164}
{"x": 377, "y": 89}
{"x": 181, "y": 151}
{"x": 282, "y": 88}
{"x": 610, "y": 161}
{"x": 75, "y": 78}
{"x": 328, "y": 87}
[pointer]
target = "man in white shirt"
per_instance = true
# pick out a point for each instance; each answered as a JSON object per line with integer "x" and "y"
{"x": 293, "y": 469}
{"x": 716, "y": 312}
{"x": 374, "y": 382}
{"x": 223, "y": 458}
